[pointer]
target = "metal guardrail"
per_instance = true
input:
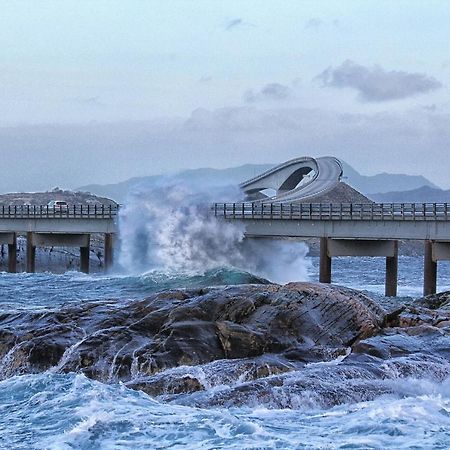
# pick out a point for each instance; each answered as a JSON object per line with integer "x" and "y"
{"x": 58, "y": 212}
{"x": 334, "y": 211}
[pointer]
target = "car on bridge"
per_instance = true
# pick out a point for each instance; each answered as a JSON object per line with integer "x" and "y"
{"x": 58, "y": 205}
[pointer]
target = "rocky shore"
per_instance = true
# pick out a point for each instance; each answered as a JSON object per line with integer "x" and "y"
{"x": 238, "y": 345}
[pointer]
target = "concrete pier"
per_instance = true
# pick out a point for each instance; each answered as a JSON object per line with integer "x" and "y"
{"x": 429, "y": 270}
{"x": 81, "y": 240}
{"x": 10, "y": 239}
{"x": 35, "y": 240}
{"x": 108, "y": 250}
{"x": 357, "y": 247}
{"x": 84, "y": 256}
{"x": 391, "y": 282}
{"x": 325, "y": 262}
{"x": 12, "y": 254}
{"x": 31, "y": 253}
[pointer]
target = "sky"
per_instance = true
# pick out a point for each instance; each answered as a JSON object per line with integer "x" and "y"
{"x": 101, "y": 91}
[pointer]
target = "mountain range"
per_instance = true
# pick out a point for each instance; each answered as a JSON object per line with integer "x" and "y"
{"x": 380, "y": 187}
{"x": 424, "y": 194}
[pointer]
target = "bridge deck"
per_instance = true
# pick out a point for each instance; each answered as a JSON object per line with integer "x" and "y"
{"x": 69, "y": 212}
{"x": 71, "y": 219}
{"x": 334, "y": 211}
{"x": 341, "y": 220}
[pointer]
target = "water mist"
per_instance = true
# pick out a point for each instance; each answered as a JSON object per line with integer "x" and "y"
{"x": 168, "y": 227}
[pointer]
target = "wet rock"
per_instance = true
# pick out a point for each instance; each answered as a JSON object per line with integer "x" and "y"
{"x": 432, "y": 310}
{"x": 435, "y": 301}
{"x": 423, "y": 340}
{"x": 189, "y": 379}
{"x": 357, "y": 378}
{"x": 167, "y": 385}
{"x": 420, "y": 330}
{"x": 314, "y": 386}
{"x": 111, "y": 341}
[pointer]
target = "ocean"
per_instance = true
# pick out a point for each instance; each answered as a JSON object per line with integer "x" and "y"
{"x": 52, "y": 410}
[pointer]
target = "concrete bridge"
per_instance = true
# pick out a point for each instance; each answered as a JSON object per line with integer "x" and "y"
{"x": 295, "y": 180}
{"x": 350, "y": 229}
{"x": 67, "y": 226}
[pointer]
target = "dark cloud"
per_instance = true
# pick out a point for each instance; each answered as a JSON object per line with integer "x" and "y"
{"x": 374, "y": 84}
{"x": 271, "y": 91}
{"x": 233, "y": 23}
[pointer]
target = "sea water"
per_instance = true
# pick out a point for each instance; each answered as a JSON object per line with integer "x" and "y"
{"x": 66, "y": 411}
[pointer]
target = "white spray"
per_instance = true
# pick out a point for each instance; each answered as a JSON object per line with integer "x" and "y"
{"x": 168, "y": 226}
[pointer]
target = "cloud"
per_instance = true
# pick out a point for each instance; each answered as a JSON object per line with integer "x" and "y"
{"x": 205, "y": 79}
{"x": 408, "y": 142}
{"x": 430, "y": 108}
{"x": 233, "y": 23}
{"x": 313, "y": 23}
{"x": 416, "y": 138}
{"x": 269, "y": 92}
{"x": 374, "y": 84}
{"x": 237, "y": 23}
{"x": 87, "y": 101}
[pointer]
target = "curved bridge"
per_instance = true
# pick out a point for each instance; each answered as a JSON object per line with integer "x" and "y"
{"x": 296, "y": 180}
{"x": 344, "y": 229}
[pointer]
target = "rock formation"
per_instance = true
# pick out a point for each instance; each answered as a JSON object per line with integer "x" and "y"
{"x": 251, "y": 343}
{"x": 305, "y": 322}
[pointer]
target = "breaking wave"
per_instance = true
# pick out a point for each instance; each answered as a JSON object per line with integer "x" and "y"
{"x": 169, "y": 226}
{"x": 71, "y": 411}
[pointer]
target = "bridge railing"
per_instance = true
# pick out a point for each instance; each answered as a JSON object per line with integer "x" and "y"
{"x": 58, "y": 212}
{"x": 333, "y": 211}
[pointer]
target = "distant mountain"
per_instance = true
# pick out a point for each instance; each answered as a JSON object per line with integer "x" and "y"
{"x": 424, "y": 194}
{"x": 381, "y": 183}
{"x": 117, "y": 191}
{"x": 233, "y": 175}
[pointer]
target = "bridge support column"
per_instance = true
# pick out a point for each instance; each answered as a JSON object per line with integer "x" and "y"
{"x": 392, "y": 273}
{"x": 12, "y": 255}
{"x": 108, "y": 250}
{"x": 84, "y": 257}
{"x": 429, "y": 270}
{"x": 31, "y": 253}
{"x": 325, "y": 262}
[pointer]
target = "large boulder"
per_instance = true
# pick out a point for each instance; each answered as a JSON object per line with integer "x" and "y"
{"x": 112, "y": 341}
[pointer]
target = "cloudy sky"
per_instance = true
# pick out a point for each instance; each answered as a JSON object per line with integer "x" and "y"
{"x": 100, "y": 91}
